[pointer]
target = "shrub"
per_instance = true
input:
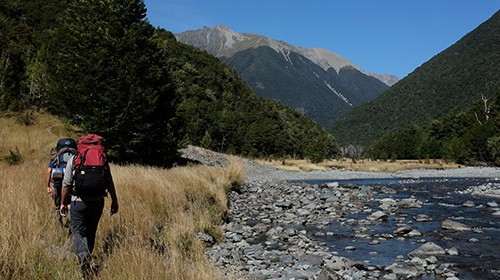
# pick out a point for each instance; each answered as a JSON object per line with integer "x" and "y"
{"x": 14, "y": 157}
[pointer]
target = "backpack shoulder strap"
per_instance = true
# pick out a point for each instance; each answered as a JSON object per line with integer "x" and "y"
{"x": 54, "y": 156}
{"x": 79, "y": 160}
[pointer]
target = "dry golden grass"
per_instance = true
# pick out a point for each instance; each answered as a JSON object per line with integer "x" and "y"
{"x": 359, "y": 165}
{"x": 33, "y": 141}
{"x": 153, "y": 236}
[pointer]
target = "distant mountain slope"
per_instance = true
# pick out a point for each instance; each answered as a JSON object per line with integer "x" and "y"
{"x": 316, "y": 82}
{"x": 302, "y": 85}
{"x": 449, "y": 82}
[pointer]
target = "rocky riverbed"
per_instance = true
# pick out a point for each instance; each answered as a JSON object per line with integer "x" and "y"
{"x": 277, "y": 224}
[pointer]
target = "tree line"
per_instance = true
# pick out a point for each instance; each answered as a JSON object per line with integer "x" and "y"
{"x": 469, "y": 137}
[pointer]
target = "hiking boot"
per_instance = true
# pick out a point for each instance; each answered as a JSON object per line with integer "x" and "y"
{"x": 89, "y": 270}
{"x": 59, "y": 218}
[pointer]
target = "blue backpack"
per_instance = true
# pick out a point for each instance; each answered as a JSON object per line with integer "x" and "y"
{"x": 65, "y": 149}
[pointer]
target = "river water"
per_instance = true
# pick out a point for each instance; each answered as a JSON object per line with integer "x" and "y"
{"x": 442, "y": 198}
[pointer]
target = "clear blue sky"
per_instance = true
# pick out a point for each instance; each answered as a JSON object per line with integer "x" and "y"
{"x": 380, "y": 36}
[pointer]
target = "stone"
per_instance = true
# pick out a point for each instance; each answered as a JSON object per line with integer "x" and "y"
{"x": 409, "y": 203}
{"x": 338, "y": 263}
{"x": 331, "y": 198}
{"x": 418, "y": 262}
{"x": 402, "y": 230}
{"x": 291, "y": 232}
{"x": 283, "y": 204}
{"x": 431, "y": 260}
{"x": 286, "y": 259}
{"x": 422, "y": 218}
{"x": 414, "y": 233}
{"x": 469, "y": 203}
{"x": 452, "y": 251}
{"x": 427, "y": 250}
{"x": 387, "y": 190}
{"x": 313, "y": 260}
{"x": 332, "y": 184}
{"x": 407, "y": 271}
{"x": 454, "y": 226}
{"x": 379, "y": 215}
{"x": 492, "y": 204}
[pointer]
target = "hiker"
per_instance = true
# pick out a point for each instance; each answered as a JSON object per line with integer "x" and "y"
{"x": 65, "y": 149}
{"x": 87, "y": 180}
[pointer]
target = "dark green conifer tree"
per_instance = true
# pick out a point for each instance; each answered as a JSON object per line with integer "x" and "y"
{"x": 106, "y": 74}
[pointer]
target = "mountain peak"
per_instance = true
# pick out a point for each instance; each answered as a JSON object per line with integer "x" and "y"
{"x": 230, "y": 36}
{"x": 230, "y": 42}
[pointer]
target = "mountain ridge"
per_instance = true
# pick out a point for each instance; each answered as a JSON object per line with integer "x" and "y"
{"x": 231, "y": 42}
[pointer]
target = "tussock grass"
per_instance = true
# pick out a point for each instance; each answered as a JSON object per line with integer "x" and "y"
{"x": 360, "y": 165}
{"x": 153, "y": 236}
{"x": 33, "y": 134}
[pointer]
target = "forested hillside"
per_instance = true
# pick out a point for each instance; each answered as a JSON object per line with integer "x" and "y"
{"x": 447, "y": 84}
{"x": 101, "y": 65}
{"x": 469, "y": 137}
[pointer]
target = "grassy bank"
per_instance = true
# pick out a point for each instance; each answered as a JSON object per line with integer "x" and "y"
{"x": 154, "y": 235}
{"x": 360, "y": 165}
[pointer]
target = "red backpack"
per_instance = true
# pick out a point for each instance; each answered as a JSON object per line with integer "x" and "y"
{"x": 91, "y": 167}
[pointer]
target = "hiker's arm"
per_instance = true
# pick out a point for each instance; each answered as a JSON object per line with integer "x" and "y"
{"x": 64, "y": 194}
{"x": 112, "y": 193}
{"x": 47, "y": 179}
{"x": 114, "y": 200}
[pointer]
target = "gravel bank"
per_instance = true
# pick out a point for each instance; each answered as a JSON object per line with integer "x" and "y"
{"x": 267, "y": 236}
{"x": 257, "y": 172}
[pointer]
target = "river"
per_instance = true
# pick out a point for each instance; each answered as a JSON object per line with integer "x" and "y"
{"x": 375, "y": 243}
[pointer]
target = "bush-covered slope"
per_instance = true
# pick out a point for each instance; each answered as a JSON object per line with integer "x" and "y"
{"x": 217, "y": 110}
{"x": 471, "y": 136}
{"x": 449, "y": 82}
{"x": 105, "y": 68}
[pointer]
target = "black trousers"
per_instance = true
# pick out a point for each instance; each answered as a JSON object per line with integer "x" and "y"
{"x": 56, "y": 195}
{"x": 84, "y": 218}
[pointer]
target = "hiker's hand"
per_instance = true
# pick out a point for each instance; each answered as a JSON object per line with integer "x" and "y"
{"x": 114, "y": 207}
{"x": 63, "y": 210}
{"x": 49, "y": 190}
